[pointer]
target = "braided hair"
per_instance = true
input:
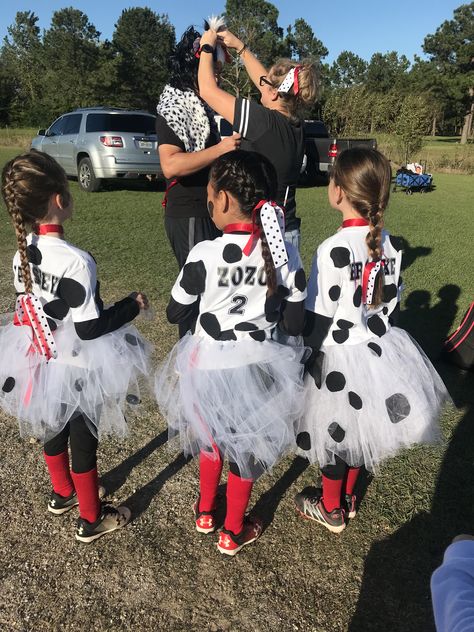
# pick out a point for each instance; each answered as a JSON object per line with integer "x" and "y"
{"x": 249, "y": 177}
{"x": 365, "y": 175}
{"x": 28, "y": 182}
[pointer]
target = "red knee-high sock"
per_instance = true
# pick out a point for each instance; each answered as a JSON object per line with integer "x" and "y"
{"x": 351, "y": 480}
{"x": 210, "y": 470}
{"x": 59, "y": 473}
{"x": 331, "y": 493}
{"x": 87, "y": 489}
{"x": 238, "y": 496}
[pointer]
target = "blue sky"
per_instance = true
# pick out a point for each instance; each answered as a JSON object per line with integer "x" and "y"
{"x": 363, "y": 27}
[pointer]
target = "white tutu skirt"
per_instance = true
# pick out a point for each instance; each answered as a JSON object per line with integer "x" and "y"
{"x": 242, "y": 398}
{"x": 365, "y": 402}
{"x": 98, "y": 378}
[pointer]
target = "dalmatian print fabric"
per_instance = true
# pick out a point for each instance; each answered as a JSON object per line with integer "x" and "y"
{"x": 188, "y": 116}
{"x": 371, "y": 390}
{"x": 99, "y": 377}
{"x": 273, "y": 223}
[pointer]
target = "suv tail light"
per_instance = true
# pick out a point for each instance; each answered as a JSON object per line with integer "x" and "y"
{"x": 332, "y": 153}
{"x": 111, "y": 141}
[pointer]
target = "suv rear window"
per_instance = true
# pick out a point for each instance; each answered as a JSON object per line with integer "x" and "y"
{"x": 137, "y": 123}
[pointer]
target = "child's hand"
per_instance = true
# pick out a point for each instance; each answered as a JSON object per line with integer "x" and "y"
{"x": 141, "y": 299}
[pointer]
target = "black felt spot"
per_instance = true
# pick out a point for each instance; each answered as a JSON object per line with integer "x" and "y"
{"x": 8, "y": 385}
{"x": 334, "y": 292}
{"x": 193, "y": 280}
{"x": 398, "y": 407}
{"x": 72, "y": 292}
{"x": 396, "y": 242}
{"x": 303, "y": 441}
{"x": 52, "y": 324}
{"x": 132, "y": 399}
{"x": 232, "y": 253}
{"x": 357, "y": 298}
{"x": 389, "y": 292}
{"x": 335, "y": 381}
{"x": 75, "y": 351}
{"x": 340, "y": 256}
{"x": 228, "y": 334}
{"x": 376, "y": 325}
{"x": 260, "y": 335}
{"x": 210, "y": 324}
{"x": 246, "y": 327}
{"x": 354, "y": 400}
{"x": 340, "y": 335}
{"x": 300, "y": 280}
{"x": 344, "y": 324}
{"x": 336, "y": 432}
{"x": 79, "y": 384}
{"x": 56, "y": 309}
{"x": 131, "y": 339}
{"x": 316, "y": 368}
{"x": 34, "y": 254}
{"x": 373, "y": 346}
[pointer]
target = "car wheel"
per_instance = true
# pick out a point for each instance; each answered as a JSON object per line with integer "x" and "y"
{"x": 86, "y": 176}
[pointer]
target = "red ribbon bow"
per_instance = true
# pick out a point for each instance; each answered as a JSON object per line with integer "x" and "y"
{"x": 296, "y": 85}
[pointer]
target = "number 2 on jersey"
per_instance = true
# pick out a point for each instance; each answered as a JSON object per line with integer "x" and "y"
{"x": 239, "y": 301}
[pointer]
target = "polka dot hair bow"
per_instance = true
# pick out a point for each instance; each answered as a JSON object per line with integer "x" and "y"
{"x": 272, "y": 218}
{"x": 29, "y": 312}
{"x": 291, "y": 81}
{"x": 371, "y": 269}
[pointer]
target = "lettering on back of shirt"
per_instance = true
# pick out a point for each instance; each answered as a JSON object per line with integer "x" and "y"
{"x": 45, "y": 280}
{"x": 240, "y": 275}
{"x": 357, "y": 267}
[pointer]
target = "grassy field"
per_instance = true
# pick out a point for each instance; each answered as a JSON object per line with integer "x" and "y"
{"x": 159, "y": 572}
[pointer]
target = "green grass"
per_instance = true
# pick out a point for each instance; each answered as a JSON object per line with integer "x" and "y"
{"x": 376, "y": 575}
{"x": 17, "y": 137}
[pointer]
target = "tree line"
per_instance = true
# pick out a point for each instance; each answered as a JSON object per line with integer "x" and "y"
{"x": 45, "y": 74}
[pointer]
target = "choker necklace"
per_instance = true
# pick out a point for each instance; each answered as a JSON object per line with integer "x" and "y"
{"x": 44, "y": 229}
{"x": 359, "y": 221}
{"x": 241, "y": 227}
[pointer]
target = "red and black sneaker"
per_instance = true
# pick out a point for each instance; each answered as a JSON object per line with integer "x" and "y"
{"x": 230, "y": 543}
{"x": 205, "y": 520}
{"x": 351, "y": 509}
{"x": 312, "y": 507}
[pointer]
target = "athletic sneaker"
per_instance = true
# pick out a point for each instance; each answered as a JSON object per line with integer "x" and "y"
{"x": 230, "y": 543}
{"x": 350, "y": 500}
{"x": 312, "y": 507}
{"x": 58, "y": 505}
{"x": 110, "y": 519}
{"x": 205, "y": 520}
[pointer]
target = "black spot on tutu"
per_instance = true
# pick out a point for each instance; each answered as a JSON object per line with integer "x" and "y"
{"x": 303, "y": 441}
{"x": 193, "y": 280}
{"x": 357, "y": 298}
{"x": 354, "y": 400}
{"x": 34, "y": 254}
{"x": 56, "y": 309}
{"x": 344, "y": 324}
{"x": 72, "y": 292}
{"x": 376, "y": 326}
{"x": 52, "y": 324}
{"x": 373, "y": 346}
{"x": 335, "y": 381}
{"x": 336, "y": 432}
{"x": 334, "y": 292}
{"x": 340, "y": 256}
{"x": 131, "y": 339}
{"x": 232, "y": 253}
{"x": 245, "y": 327}
{"x": 8, "y": 385}
{"x": 259, "y": 335}
{"x": 398, "y": 407}
{"x": 340, "y": 335}
{"x": 132, "y": 399}
{"x": 300, "y": 280}
{"x": 79, "y": 384}
{"x": 389, "y": 292}
{"x": 210, "y": 324}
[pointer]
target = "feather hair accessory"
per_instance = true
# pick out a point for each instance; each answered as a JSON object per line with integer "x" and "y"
{"x": 217, "y": 23}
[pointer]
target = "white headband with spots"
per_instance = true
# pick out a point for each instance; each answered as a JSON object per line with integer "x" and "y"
{"x": 290, "y": 80}
{"x": 273, "y": 224}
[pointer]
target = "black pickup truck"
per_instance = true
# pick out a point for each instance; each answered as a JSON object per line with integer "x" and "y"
{"x": 321, "y": 151}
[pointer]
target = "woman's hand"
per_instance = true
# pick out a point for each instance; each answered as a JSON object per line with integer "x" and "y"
{"x": 208, "y": 37}
{"x": 230, "y": 40}
{"x": 229, "y": 143}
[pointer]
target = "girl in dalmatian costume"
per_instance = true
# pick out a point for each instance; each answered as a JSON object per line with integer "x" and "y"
{"x": 371, "y": 390}
{"x": 69, "y": 367}
{"x": 229, "y": 390}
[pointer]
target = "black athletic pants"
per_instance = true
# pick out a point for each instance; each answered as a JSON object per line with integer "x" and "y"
{"x": 83, "y": 445}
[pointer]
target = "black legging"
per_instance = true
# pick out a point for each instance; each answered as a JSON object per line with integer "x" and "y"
{"x": 82, "y": 441}
{"x": 337, "y": 471}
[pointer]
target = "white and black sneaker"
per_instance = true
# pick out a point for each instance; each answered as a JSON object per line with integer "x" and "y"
{"x": 58, "y": 505}
{"x": 110, "y": 519}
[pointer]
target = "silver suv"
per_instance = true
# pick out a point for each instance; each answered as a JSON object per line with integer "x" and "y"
{"x": 101, "y": 143}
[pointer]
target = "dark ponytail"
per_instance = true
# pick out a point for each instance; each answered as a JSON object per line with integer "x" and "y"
{"x": 249, "y": 177}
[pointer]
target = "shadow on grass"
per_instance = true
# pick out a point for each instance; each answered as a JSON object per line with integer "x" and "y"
{"x": 395, "y": 591}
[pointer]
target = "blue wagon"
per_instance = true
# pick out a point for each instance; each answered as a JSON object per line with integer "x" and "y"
{"x": 410, "y": 182}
